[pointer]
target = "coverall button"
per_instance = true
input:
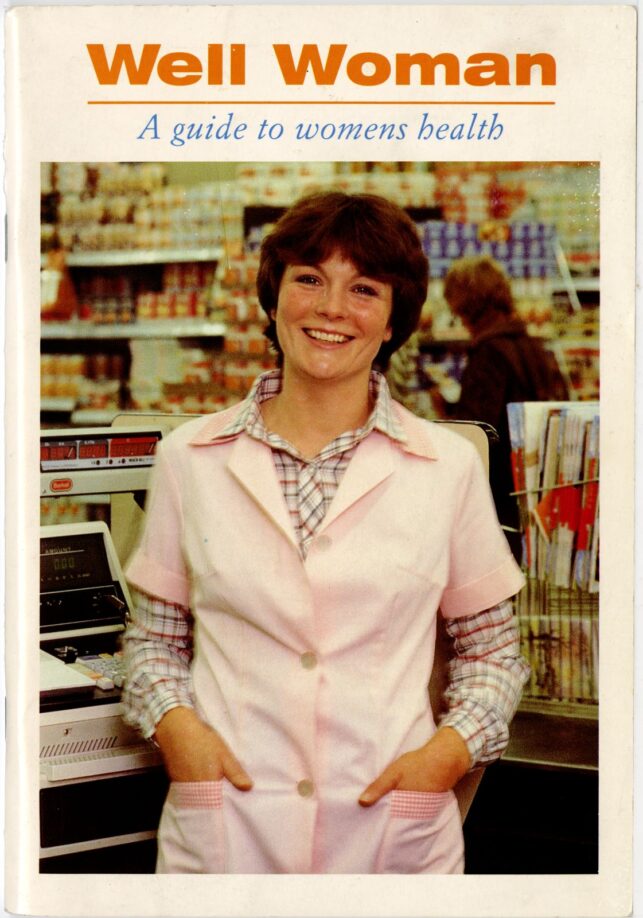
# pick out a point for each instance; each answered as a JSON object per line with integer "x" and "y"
{"x": 305, "y": 788}
{"x": 308, "y": 660}
{"x": 323, "y": 542}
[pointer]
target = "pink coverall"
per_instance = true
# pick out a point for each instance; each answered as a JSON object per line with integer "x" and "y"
{"x": 315, "y": 671}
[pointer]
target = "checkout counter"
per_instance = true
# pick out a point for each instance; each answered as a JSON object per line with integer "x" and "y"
{"x": 536, "y": 810}
{"x": 101, "y": 786}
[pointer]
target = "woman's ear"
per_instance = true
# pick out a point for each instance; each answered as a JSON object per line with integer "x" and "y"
{"x": 273, "y": 314}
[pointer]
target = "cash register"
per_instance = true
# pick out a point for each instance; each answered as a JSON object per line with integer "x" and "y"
{"x": 101, "y": 785}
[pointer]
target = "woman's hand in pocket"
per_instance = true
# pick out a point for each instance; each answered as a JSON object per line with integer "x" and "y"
{"x": 433, "y": 768}
{"x": 193, "y": 751}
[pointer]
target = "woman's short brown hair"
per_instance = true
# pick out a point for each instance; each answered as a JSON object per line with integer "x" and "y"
{"x": 476, "y": 285}
{"x": 376, "y": 235}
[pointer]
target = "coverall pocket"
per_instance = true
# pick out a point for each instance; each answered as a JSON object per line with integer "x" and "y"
{"x": 423, "y": 834}
{"x": 190, "y": 835}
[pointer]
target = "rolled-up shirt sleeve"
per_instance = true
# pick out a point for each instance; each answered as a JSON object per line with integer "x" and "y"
{"x": 486, "y": 675}
{"x": 158, "y": 647}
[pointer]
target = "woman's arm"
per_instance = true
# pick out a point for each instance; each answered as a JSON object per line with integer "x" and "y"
{"x": 158, "y": 652}
{"x": 486, "y": 676}
{"x": 157, "y": 696}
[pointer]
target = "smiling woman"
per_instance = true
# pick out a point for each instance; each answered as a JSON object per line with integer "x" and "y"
{"x": 334, "y": 306}
{"x": 330, "y": 321}
{"x": 342, "y": 279}
{"x": 297, "y": 549}
{"x": 375, "y": 236}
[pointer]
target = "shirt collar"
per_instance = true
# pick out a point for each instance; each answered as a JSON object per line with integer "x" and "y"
{"x": 387, "y": 417}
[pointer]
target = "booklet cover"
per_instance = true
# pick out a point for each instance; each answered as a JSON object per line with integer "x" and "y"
{"x": 148, "y": 147}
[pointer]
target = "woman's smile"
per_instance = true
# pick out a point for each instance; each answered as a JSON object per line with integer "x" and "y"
{"x": 327, "y": 337}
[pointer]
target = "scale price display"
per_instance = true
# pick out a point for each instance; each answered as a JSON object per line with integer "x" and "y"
{"x": 58, "y": 452}
{"x": 75, "y": 453}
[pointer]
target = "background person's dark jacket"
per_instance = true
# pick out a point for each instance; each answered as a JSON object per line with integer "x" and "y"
{"x": 506, "y": 365}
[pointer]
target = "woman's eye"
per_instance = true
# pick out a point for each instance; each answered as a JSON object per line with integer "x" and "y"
{"x": 365, "y": 290}
{"x": 307, "y": 279}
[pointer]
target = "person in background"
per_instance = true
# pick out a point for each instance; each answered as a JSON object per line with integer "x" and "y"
{"x": 504, "y": 365}
{"x": 296, "y": 551}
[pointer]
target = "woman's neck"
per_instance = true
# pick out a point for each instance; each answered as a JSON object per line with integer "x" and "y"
{"x": 312, "y": 416}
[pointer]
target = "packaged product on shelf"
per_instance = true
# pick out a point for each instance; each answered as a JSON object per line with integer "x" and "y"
{"x": 129, "y": 178}
{"x": 58, "y": 300}
{"x": 172, "y": 375}
{"x": 242, "y": 308}
{"x": 583, "y": 365}
{"x": 247, "y": 339}
{"x": 94, "y": 381}
{"x": 444, "y": 370}
{"x": 58, "y": 510}
{"x": 47, "y": 178}
{"x": 71, "y": 177}
{"x": 186, "y": 293}
{"x": 62, "y": 375}
{"x": 241, "y": 372}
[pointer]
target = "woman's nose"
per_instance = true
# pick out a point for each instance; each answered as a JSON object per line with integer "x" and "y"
{"x": 331, "y": 303}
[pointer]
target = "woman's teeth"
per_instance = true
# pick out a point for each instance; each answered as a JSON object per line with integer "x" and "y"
{"x": 331, "y": 337}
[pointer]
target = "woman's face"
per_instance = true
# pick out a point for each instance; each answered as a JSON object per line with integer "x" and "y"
{"x": 331, "y": 320}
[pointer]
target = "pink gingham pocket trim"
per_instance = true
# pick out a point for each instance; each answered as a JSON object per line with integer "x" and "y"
{"x": 418, "y": 804}
{"x": 196, "y": 795}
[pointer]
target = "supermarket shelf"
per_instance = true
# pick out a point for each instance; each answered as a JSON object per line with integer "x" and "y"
{"x": 94, "y": 417}
{"x": 57, "y": 405}
{"x": 581, "y": 285}
{"x": 130, "y": 257}
{"x": 147, "y": 328}
{"x": 85, "y": 417}
{"x": 591, "y": 341}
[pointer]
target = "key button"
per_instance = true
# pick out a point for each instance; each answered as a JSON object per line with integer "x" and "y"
{"x": 323, "y": 543}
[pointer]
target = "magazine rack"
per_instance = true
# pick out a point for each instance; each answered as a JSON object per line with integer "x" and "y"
{"x": 559, "y": 639}
{"x": 555, "y": 456}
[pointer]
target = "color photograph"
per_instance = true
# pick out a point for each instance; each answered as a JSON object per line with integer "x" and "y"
{"x": 322, "y": 327}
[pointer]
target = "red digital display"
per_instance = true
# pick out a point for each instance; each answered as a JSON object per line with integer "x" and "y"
{"x": 57, "y": 452}
{"x": 133, "y": 446}
{"x": 93, "y": 449}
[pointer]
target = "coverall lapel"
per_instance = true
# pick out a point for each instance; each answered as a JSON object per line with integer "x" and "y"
{"x": 372, "y": 463}
{"x": 253, "y": 467}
